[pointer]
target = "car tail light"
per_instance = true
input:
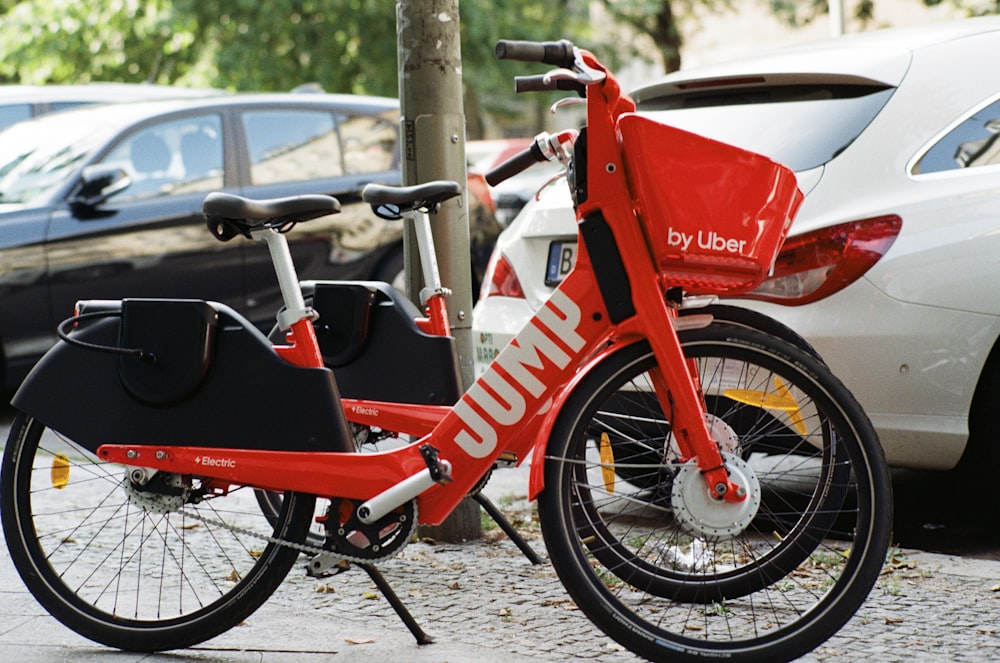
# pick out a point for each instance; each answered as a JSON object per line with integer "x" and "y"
{"x": 500, "y": 279}
{"x": 817, "y": 264}
{"x": 478, "y": 187}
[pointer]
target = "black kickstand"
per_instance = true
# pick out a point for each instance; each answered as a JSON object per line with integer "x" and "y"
{"x": 508, "y": 529}
{"x": 397, "y": 604}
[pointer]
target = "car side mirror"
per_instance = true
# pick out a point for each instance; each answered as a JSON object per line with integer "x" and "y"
{"x": 98, "y": 183}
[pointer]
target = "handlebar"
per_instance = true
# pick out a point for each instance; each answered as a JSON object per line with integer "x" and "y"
{"x": 556, "y": 53}
{"x": 544, "y": 83}
{"x": 545, "y": 147}
{"x": 516, "y": 164}
{"x": 575, "y": 70}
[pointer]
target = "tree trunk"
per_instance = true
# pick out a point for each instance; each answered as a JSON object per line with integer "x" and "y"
{"x": 463, "y": 524}
{"x": 668, "y": 37}
{"x": 430, "y": 91}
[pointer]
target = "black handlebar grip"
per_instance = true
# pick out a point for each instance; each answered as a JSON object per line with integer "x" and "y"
{"x": 556, "y": 53}
{"x": 540, "y": 84}
{"x": 516, "y": 164}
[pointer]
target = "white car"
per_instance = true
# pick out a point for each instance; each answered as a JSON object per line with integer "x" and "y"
{"x": 891, "y": 266}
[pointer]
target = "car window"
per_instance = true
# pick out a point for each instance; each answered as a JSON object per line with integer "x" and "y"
{"x": 66, "y": 105}
{"x": 369, "y": 144}
{"x": 179, "y": 156}
{"x": 970, "y": 144}
{"x": 800, "y": 126}
{"x": 291, "y": 145}
{"x": 11, "y": 113}
{"x": 38, "y": 157}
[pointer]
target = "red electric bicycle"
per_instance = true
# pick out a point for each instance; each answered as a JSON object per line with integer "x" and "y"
{"x": 704, "y": 489}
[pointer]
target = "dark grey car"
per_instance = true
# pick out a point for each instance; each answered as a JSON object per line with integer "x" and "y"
{"x": 23, "y": 102}
{"x": 105, "y": 202}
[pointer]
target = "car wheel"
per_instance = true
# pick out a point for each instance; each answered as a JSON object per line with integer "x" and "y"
{"x": 982, "y": 451}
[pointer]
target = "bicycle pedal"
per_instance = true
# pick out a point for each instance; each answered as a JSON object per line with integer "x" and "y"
{"x": 326, "y": 564}
{"x": 440, "y": 472}
{"x": 506, "y": 459}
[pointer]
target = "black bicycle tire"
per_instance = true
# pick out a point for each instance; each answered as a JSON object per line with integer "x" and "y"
{"x": 574, "y": 562}
{"x": 796, "y": 540}
{"x": 246, "y": 594}
{"x": 740, "y": 316}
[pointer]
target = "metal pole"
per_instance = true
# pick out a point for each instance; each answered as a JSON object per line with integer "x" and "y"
{"x": 433, "y": 123}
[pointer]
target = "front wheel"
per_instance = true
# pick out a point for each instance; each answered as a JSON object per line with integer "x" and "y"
{"x": 673, "y": 575}
{"x": 133, "y": 561}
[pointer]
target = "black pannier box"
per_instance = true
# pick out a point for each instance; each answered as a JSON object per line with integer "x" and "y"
{"x": 368, "y": 336}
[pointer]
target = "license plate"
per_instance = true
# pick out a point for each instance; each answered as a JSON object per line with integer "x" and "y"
{"x": 562, "y": 257}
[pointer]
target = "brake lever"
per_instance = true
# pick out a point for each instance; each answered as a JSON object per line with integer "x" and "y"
{"x": 582, "y": 75}
{"x": 560, "y": 145}
{"x": 566, "y": 102}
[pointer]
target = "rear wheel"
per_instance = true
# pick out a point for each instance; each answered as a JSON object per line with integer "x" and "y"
{"x": 138, "y": 562}
{"x": 750, "y": 319}
{"x": 672, "y": 574}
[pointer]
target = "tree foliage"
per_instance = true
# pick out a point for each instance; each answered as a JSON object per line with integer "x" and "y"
{"x": 659, "y": 20}
{"x": 343, "y": 45}
{"x": 972, "y": 7}
{"x": 57, "y": 41}
{"x": 797, "y": 14}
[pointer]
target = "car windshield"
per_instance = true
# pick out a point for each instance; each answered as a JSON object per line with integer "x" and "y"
{"x": 37, "y": 157}
{"x": 800, "y": 126}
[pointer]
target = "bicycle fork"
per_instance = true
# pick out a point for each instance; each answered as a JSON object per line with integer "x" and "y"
{"x": 675, "y": 380}
{"x": 693, "y": 437}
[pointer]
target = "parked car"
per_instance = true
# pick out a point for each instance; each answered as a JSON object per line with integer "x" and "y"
{"x": 23, "y": 102}
{"x": 105, "y": 202}
{"x": 889, "y": 266}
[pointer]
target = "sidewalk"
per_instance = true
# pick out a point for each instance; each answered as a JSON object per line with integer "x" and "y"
{"x": 483, "y": 601}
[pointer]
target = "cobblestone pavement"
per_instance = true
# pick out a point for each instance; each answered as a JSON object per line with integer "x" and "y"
{"x": 484, "y": 601}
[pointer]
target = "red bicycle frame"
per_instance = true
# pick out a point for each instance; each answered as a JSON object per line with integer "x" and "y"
{"x": 513, "y": 406}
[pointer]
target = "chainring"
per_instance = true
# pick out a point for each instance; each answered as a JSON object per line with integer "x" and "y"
{"x": 358, "y": 541}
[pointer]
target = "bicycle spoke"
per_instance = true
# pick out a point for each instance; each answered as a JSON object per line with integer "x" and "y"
{"x": 635, "y": 544}
{"x": 120, "y": 554}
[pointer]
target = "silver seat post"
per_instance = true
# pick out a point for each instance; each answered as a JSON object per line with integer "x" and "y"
{"x": 291, "y": 292}
{"x": 428, "y": 256}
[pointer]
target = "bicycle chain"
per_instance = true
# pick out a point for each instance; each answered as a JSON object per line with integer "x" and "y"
{"x": 302, "y": 547}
